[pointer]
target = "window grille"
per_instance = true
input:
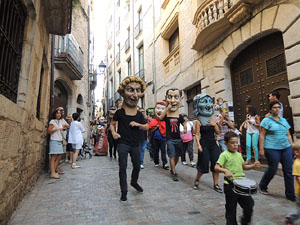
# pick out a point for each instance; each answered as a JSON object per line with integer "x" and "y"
{"x": 276, "y": 65}
{"x": 12, "y": 23}
{"x": 246, "y": 77}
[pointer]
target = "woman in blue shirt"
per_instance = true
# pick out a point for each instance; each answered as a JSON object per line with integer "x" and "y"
{"x": 275, "y": 143}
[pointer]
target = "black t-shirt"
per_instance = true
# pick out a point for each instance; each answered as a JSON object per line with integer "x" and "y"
{"x": 129, "y": 135}
{"x": 172, "y": 127}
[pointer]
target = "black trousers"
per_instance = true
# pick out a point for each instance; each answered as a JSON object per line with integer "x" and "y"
{"x": 246, "y": 203}
{"x": 135, "y": 155}
{"x": 113, "y": 144}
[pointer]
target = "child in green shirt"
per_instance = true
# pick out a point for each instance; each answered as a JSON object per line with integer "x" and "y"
{"x": 231, "y": 163}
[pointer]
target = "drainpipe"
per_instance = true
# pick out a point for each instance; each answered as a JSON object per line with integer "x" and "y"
{"x": 154, "y": 57}
{"x": 133, "y": 58}
{"x": 51, "y": 106}
{"x": 89, "y": 91}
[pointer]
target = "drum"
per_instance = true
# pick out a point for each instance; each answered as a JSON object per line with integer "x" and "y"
{"x": 244, "y": 186}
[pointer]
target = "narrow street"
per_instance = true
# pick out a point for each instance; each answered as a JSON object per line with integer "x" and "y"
{"x": 90, "y": 195}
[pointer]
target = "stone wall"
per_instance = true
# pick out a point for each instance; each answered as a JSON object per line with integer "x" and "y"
{"x": 22, "y": 135}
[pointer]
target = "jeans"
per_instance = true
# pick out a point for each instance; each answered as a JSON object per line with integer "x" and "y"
{"x": 252, "y": 138}
{"x": 113, "y": 144}
{"x": 150, "y": 146}
{"x": 159, "y": 144}
{"x": 231, "y": 199}
{"x": 135, "y": 155}
{"x": 187, "y": 147}
{"x": 285, "y": 157}
{"x": 142, "y": 149}
{"x": 222, "y": 145}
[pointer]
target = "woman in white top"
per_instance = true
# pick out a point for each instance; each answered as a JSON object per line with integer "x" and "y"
{"x": 75, "y": 137}
{"x": 252, "y": 124}
{"x": 55, "y": 130}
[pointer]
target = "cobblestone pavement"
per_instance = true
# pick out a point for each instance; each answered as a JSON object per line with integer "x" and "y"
{"x": 90, "y": 195}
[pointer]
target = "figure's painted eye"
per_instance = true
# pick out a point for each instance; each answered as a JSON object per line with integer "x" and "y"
{"x": 176, "y": 97}
{"x": 169, "y": 96}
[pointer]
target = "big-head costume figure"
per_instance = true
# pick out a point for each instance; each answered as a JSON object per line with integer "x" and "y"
{"x": 130, "y": 121}
{"x": 173, "y": 119}
{"x": 205, "y": 131}
{"x": 159, "y": 134}
{"x": 203, "y": 108}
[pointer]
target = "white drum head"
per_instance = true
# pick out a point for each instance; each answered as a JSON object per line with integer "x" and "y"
{"x": 245, "y": 182}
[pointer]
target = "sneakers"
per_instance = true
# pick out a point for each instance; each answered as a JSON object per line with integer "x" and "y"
{"x": 123, "y": 196}
{"x": 174, "y": 176}
{"x": 263, "y": 191}
{"x": 156, "y": 165}
{"x": 142, "y": 166}
{"x": 292, "y": 199}
{"x": 184, "y": 163}
{"x": 217, "y": 188}
{"x": 193, "y": 164}
{"x": 137, "y": 187}
{"x": 166, "y": 167}
{"x": 196, "y": 185}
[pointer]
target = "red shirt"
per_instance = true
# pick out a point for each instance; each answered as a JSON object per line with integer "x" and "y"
{"x": 161, "y": 126}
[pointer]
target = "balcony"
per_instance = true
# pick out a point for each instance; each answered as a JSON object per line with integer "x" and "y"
{"x": 109, "y": 69}
{"x": 214, "y": 17}
{"x": 69, "y": 57}
{"x": 172, "y": 61}
{"x": 138, "y": 29}
{"x": 118, "y": 58}
{"x": 141, "y": 74}
{"x": 93, "y": 77}
{"x": 58, "y": 16}
{"x": 127, "y": 44}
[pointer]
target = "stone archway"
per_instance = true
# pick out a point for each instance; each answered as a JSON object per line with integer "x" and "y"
{"x": 62, "y": 95}
{"x": 284, "y": 18}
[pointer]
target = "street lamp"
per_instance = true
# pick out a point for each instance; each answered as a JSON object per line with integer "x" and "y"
{"x": 102, "y": 67}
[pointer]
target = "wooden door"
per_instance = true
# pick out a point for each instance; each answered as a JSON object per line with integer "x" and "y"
{"x": 256, "y": 71}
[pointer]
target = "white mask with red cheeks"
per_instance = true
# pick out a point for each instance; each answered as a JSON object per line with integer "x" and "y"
{"x": 159, "y": 108}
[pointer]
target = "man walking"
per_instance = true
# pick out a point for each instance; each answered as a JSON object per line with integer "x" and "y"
{"x": 130, "y": 121}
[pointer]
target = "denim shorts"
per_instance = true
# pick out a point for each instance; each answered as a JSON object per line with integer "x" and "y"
{"x": 56, "y": 147}
{"x": 175, "y": 147}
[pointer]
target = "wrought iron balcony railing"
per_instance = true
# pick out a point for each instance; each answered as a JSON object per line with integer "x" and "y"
{"x": 127, "y": 44}
{"x": 69, "y": 57}
{"x": 138, "y": 28}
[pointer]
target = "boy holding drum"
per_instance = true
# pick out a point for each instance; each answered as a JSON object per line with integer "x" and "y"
{"x": 231, "y": 163}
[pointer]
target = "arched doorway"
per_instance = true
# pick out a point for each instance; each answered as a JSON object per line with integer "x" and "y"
{"x": 60, "y": 96}
{"x": 256, "y": 71}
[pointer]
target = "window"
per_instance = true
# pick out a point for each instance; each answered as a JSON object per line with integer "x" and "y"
{"x": 118, "y": 25}
{"x": 38, "y": 105}
{"x": 276, "y": 65}
{"x": 129, "y": 67}
{"x": 141, "y": 62}
{"x": 191, "y": 93}
{"x": 120, "y": 77}
{"x": 246, "y": 77}
{"x": 127, "y": 42}
{"x": 174, "y": 40}
{"x": 12, "y": 23}
{"x": 128, "y": 5}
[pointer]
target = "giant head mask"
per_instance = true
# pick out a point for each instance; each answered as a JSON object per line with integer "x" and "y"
{"x": 131, "y": 89}
{"x": 173, "y": 99}
{"x": 159, "y": 108}
{"x": 203, "y": 108}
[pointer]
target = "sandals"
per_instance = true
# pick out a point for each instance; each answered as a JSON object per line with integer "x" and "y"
{"x": 55, "y": 176}
{"x": 217, "y": 188}
{"x": 196, "y": 185}
{"x": 74, "y": 166}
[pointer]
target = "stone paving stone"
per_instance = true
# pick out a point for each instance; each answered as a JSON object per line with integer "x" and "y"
{"x": 90, "y": 195}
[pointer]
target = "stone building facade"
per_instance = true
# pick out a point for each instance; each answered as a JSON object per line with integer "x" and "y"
{"x": 238, "y": 50}
{"x": 72, "y": 74}
{"x": 28, "y": 86}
